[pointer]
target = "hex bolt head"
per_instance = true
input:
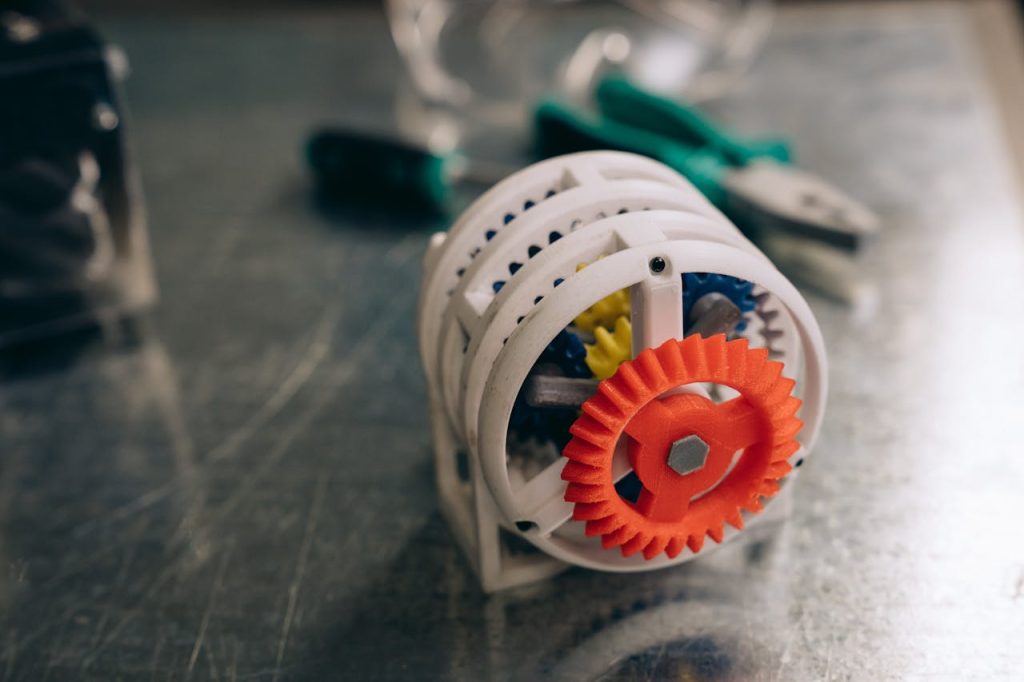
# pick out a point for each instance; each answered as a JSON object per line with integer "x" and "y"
{"x": 688, "y": 454}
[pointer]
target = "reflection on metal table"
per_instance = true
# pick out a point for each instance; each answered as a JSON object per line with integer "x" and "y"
{"x": 240, "y": 486}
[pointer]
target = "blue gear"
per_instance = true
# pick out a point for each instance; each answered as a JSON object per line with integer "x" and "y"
{"x": 529, "y": 420}
{"x": 698, "y": 284}
{"x": 567, "y": 351}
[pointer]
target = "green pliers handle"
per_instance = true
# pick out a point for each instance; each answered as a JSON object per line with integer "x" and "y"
{"x": 622, "y": 101}
{"x": 561, "y": 129}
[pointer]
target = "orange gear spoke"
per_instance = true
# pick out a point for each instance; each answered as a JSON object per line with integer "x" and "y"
{"x": 744, "y": 422}
{"x": 681, "y": 446}
{"x": 660, "y": 506}
{"x": 651, "y": 419}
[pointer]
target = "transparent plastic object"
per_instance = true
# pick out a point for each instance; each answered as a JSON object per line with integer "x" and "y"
{"x": 73, "y": 241}
{"x": 488, "y": 60}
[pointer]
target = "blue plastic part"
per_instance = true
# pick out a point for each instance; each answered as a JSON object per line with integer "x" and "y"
{"x": 567, "y": 351}
{"x": 525, "y": 418}
{"x": 698, "y": 284}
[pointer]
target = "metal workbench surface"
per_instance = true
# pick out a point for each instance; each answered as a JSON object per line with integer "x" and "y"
{"x": 240, "y": 485}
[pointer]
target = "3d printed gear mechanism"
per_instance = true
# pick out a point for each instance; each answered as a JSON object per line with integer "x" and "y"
{"x": 575, "y": 405}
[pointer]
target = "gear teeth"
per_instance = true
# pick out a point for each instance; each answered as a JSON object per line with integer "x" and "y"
{"x": 610, "y": 349}
{"x": 754, "y": 505}
{"x": 650, "y": 370}
{"x": 615, "y": 396}
{"x": 779, "y": 469}
{"x": 716, "y": 358}
{"x": 770, "y": 335}
{"x": 671, "y": 359}
{"x": 735, "y": 519}
{"x": 617, "y": 537}
{"x": 582, "y": 451}
{"x": 584, "y": 492}
{"x": 698, "y": 284}
{"x": 785, "y": 450}
{"x": 592, "y": 511}
{"x": 757, "y": 367}
{"x": 769, "y": 487}
{"x": 655, "y": 547}
{"x": 674, "y": 547}
{"x": 583, "y": 473}
{"x": 738, "y": 352}
{"x": 790, "y": 428}
{"x": 771, "y": 374}
{"x": 604, "y": 312}
{"x": 717, "y": 532}
{"x": 782, "y": 388}
{"x": 602, "y": 409}
{"x": 757, "y": 358}
{"x": 693, "y": 356}
{"x": 604, "y": 526}
{"x": 632, "y": 383}
{"x": 788, "y": 409}
{"x": 567, "y": 351}
{"x": 695, "y": 543}
{"x": 592, "y": 431}
{"x": 635, "y": 544}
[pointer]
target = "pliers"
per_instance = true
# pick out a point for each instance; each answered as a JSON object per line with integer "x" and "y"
{"x": 752, "y": 182}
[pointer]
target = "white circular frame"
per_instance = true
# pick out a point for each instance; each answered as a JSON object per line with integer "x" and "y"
{"x": 479, "y": 345}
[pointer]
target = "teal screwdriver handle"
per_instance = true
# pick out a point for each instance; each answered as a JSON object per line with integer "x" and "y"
{"x": 622, "y": 101}
{"x": 560, "y": 129}
{"x": 355, "y": 167}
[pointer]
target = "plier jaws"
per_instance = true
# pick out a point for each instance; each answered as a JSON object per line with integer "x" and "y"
{"x": 751, "y": 181}
{"x": 767, "y": 195}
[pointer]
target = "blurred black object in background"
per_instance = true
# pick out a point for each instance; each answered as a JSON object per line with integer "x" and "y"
{"x": 72, "y": 237}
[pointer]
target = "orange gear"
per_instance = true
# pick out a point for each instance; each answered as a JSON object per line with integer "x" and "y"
{"x": 676, "y": 510}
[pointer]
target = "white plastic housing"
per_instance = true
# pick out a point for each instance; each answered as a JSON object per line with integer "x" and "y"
{"x": 615, "y": 212}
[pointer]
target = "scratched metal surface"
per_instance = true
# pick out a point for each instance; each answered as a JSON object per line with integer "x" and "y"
{"x": 239, "y": 487}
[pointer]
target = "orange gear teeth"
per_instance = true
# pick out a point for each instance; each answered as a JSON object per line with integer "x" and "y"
{"x": 676, "y": 510}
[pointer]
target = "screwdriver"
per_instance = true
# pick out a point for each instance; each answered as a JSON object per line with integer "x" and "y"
{"x": 378, "y": 170}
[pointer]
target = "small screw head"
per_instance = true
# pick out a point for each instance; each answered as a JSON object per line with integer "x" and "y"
{"x": 104, "y": 117}
{"x": 657, "y": 264}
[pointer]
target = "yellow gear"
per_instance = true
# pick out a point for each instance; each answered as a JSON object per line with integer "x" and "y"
{"x": 605, "y": 312}
{"x": 611, "y": 348}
